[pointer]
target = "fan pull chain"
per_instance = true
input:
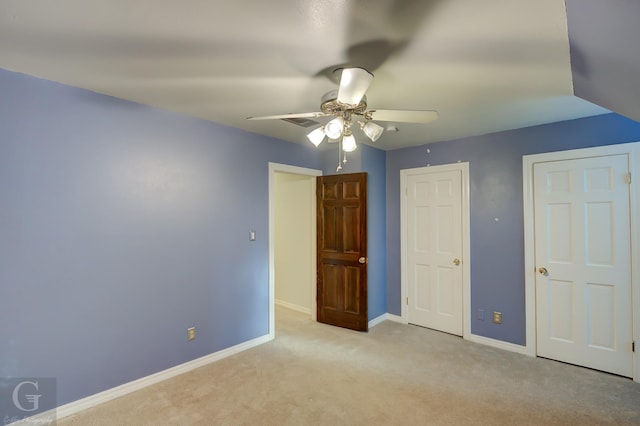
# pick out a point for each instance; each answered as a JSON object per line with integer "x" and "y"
{"x": 339, "y": 155}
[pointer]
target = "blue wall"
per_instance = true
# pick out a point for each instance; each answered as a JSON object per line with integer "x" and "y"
{"x": 605, "y": 54}
{"x": 374, "y": 163}
{"x": 122, "y": 225}
{"x": 497, "y": 248}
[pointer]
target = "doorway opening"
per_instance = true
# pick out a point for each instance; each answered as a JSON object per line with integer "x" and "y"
{"x": 292, "y": 239}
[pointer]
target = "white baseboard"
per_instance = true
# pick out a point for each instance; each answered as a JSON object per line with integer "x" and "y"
{"x": 377, "y": 320}
{"x": 293, "y": 306}
{"x": 396, "y": 318}
{"x": 511, "y": 347}
{"x": 105, "y": 396}
{"x": 385, "y": 317}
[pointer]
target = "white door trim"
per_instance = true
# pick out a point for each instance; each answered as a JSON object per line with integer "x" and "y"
{"x": 284, "y": 168}
{"x": 633, "y": 151}
{"x": 466, "y": 257}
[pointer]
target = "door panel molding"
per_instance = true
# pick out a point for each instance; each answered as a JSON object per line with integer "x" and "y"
{"x": 312, "y": 173}
{"x": 342, "y": 250}
{"x": 528, "y": 161}
{"x": 405, "y": 174}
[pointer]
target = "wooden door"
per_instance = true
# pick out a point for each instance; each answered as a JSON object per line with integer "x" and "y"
{"x": 434, "y": 250}
{"x": 583, "y": 262}
{"x": 342, "y": 250}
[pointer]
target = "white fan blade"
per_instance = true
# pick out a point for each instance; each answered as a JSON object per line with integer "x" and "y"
{"x": 403, "y": 116}
{"x": 353, "y": 85}
{"x": 285, "y": 116}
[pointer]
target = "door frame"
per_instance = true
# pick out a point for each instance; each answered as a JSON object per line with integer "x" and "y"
{"x": 633, "y": 151}
{"x": 285, "y": 168}
{"x": 463, "y": 167}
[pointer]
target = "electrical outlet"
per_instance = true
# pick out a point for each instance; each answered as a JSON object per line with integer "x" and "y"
{"x": 191, "y": 333}
{"x": 497, "y": 317}
{"x": 481, "y": 314}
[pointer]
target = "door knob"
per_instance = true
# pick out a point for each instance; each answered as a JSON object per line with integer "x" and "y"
{"x": 362, "y": 260}
{"x": 456, "y": 262}
{"x": 543, "y": 271}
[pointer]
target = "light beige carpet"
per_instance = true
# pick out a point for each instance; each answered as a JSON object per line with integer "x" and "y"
{"x": 314, "y": 374}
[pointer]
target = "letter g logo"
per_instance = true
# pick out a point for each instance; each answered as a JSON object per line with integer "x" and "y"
{"x": 33, "y": 399}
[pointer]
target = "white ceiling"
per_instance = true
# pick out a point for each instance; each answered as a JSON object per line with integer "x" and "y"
{"x": 486, "y": 65}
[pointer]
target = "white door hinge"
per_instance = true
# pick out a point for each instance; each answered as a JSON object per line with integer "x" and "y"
{"x": 627, "y": 177}
{"x": 407, "y": 300}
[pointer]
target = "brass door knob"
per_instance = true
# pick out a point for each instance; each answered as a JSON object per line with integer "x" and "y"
{"x": 362, "y": 260}
{"x": 543, "y": 271}
{"x": 456, "y": 262}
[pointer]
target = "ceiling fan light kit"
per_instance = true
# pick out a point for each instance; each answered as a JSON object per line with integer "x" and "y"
{"x": 316, "y": 136}
{"x": 345, "y": 103}
{"x": 334, "y": 128}
{"x": 372, "y": 130}
{"x": 348, "y": 142}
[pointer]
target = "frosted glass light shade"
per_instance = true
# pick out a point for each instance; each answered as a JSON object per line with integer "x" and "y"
{"x": 349, "y": 143}
{"x": 372, "y": 130}
{"x": 316, "y": 136}
{"x": 333, "y": 129}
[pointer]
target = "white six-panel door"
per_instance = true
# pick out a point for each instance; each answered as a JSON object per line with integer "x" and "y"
{"x": 583, "y": 265}
{"x": 434, "y": 250}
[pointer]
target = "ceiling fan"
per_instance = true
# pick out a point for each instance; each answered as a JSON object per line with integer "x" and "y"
{"x": 346, "y": 104}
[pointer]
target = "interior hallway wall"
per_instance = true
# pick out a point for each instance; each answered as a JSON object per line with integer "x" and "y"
{"x": 293, "y": 240}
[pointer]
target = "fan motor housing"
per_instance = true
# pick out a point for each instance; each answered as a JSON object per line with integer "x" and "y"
{"x": 330, "y": 105}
